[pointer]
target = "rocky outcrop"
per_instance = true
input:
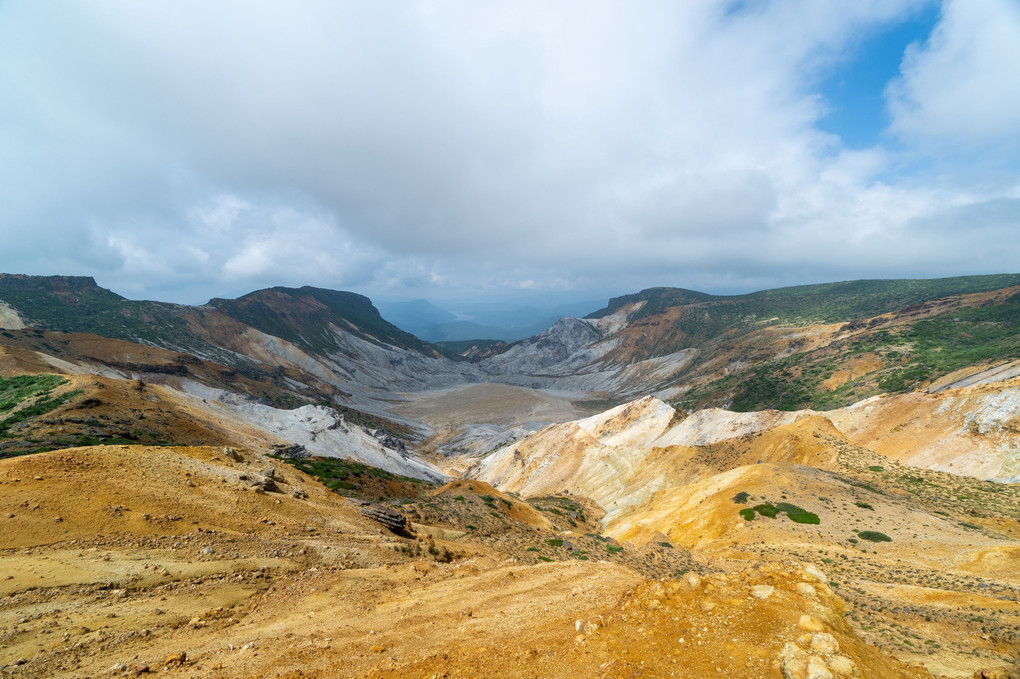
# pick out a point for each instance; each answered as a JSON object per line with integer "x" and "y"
{"x": 565, "y": 338}
{"x": 390, "y": 518}
{"x": 290, "y": 451}
{"x": 9, "y": 318}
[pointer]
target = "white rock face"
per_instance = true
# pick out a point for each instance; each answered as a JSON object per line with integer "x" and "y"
{"x": 324, "y": 432}
{"x": 973, "y": 431}
{"x": 321, "y": 430}
{"x": 9, "y": 318}
{"x": 559, "y": 343}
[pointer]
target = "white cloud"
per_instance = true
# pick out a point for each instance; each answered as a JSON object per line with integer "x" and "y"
{"x": 475, "y": 146}
{"x": 961, "y": 87}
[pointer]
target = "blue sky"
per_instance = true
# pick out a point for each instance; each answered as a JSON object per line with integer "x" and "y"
{"x": 446, "y": 149}
{"x": 854, "y": 89}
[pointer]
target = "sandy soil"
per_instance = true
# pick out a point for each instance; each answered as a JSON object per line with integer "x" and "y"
{"x": 122, "y": 560}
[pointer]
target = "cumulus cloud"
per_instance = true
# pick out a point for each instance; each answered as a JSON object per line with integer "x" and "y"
{"x": 960, "y": 87}
{"x": 437, "y": 146}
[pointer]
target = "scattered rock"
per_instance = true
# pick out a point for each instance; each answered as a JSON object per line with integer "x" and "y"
{"x": 806, "y": 589}
{"x": 390, "y": 518}
{"x": 232, "y": 454}
{"x": 817, "y": 669}
{"x": 810, "y": 623}
{"x": 815, "y": 572}
{"x": 176, "y": 659}
{"x": 299, "y": 494}
{"x": 388, "y": 441}
{"x": 823, "y": 642}
{"x": 293, "y": 451}
{"x": 841, "y": 665}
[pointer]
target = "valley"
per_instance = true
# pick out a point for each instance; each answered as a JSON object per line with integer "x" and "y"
{"x": 804, "y": 482}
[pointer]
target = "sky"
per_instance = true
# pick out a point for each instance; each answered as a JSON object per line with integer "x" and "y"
{"x": 180, "y": 150}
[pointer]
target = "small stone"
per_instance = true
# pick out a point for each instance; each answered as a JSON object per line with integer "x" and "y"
{"x": 378, "y": 649}
{"x": 810, "y": 623}
{"x": 815, "y": 572}
{"x": 762, "y": 591}
{"x": 208, "y": 550}
{"x": 841, "y": 665}
{"x": 823, "y": 642}
{"x": 176, "y": 659}
{"x": 706, "y": 605}
{"x": 119, "y": 667}
{"x": 806, "y": 589}
{"x": 693, "y": 579}
{"x": 816, "y": 669}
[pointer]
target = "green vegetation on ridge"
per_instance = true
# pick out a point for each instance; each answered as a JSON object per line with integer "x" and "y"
{"x": 303, "y": 317}
{"x": 25, "y": 397}
{"x": 819, "y": 303}
{"x": 907, "y": 356}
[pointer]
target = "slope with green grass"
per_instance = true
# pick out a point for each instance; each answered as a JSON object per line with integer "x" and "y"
{"x": 305, "y": 317}
{"x": 905, "y": 356}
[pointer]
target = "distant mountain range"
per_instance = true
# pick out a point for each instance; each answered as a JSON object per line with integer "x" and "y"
{"x": 493, "y": 321}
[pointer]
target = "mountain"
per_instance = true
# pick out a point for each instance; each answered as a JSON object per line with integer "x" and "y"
{"x": 272, "y": 359}
{"x": 813, "y": 481}
{"x": 819, "y": 346}
{"x": 753, "y": 487}
{"x": 491, "y": 321}
{"x": 311, "y": 318}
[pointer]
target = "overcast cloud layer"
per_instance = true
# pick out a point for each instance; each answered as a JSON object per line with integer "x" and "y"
{"x": 182, "y": 149}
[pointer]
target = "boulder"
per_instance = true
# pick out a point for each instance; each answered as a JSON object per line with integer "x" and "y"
{"x": 390, "y": 518}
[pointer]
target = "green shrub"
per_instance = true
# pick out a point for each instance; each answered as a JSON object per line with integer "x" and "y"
{"x": 741, "y": 498}
{"x": 554, "y": 542}
{"x": 793, "y": 512}
{"x": 874, "y": 536}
